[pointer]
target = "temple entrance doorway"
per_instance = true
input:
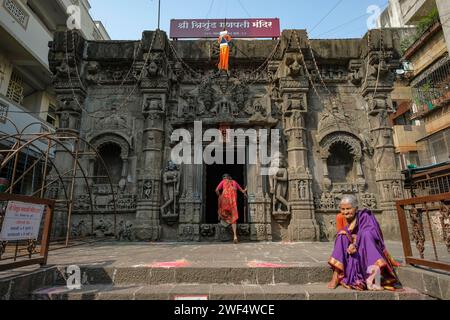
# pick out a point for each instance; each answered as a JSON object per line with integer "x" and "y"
{"x": 213, "y": 176}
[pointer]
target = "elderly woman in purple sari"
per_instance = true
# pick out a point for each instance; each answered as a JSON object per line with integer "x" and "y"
{"x": 360, "y": 260}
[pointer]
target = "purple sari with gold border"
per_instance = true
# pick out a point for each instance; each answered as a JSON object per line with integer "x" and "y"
{"x": 354, "y": 270}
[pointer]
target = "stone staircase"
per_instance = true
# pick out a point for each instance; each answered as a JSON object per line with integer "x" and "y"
{"x": 213, "y": 283}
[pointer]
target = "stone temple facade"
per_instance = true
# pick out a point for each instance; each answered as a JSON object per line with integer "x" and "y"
{"x": 330, "y": 99}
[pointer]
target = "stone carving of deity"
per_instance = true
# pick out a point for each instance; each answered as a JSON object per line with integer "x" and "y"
{"x": 148, "y": 189}
{"x": 279, "y": 185}
{"x": 396, "y": 190}
{"x": 294, "y": 66}
{"x": 65, "y": 120}
{"x": 302, "y": 189}
{"x": 171, "y": 189}
{"x": 115, "y": 120}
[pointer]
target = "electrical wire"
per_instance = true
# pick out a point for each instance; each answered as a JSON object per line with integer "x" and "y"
{"x": 326, "y": 16}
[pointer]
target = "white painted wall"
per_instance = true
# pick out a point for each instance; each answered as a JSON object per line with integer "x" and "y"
{"x": 5, "y": 74}
{"x": 444, "y": 13}
{"x": 392, "y": 16}
{"x": 34, "y": 38}
{"x": 88, "y": 25}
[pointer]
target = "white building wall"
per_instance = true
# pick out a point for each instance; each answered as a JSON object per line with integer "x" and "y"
{"x": 444, "y": 13}
{"x": 5, "y": 74}
{"x": 33, "y": 36}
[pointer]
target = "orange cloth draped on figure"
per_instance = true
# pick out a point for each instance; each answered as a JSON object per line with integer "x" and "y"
{"x": 224, "y": 41}
{"x": 341, "y": 222}
{"x": 228, "y": 211}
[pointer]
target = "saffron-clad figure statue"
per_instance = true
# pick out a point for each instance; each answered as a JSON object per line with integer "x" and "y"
{"x": 224, "y": 41}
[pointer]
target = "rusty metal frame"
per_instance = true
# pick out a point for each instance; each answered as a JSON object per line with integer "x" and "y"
{"x": 22, "y": 140}
{"x": 45, "y": 242}
{"x": 409, "y": 258}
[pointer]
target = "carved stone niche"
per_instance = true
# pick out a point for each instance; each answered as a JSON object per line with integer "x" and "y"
{"x": 351, "y": 155}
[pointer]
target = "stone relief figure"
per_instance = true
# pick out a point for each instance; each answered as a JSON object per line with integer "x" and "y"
{"x": 297, "y": 120}
{"x": 327, "y": 201}
{"x": 171, "y": 189}
{"x": 387, "y": 191}
{"x": 368, "y": 200}
{"x": 278, "y": 180}
{"x": 397, "y": 190}
{"x": 302, "y": 189}
{"x": 259, "y": 108}
{"x": 114, "y": 120}
{"x": 207, "y": 96}
{"x": 65, "y": 120}
{"x": 148, "y": 189}
{"x": 125, "y": 231}
{"x": 294, "y": 66}
{"x": 153, "y": 105}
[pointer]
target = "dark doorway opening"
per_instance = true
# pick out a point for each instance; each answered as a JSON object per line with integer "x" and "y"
{"x": 340, "y": 164}
{"x": 214, "y": 175}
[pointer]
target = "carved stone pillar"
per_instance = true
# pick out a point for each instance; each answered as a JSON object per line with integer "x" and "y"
{"x": 148, "y": 209}
{"x": 258, "y": 200}
{"x": 191, "y": 201}
{"x": 303, "y": 224}
{"x": 388, "y": 176}
{"x": 327, "y": 184}
{"x": 376, "y": 91}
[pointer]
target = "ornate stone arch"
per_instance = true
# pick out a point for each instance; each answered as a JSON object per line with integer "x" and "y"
{"x": 112, "y": 138}
{"x": 106, "y": 139}
{"x": 354, "y": 144}
{"x": 355, "y": 148}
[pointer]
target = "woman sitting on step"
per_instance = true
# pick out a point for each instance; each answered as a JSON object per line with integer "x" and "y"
{"x": 360, "y": 260}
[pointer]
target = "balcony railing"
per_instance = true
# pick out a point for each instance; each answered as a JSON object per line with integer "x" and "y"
{"x": 429, "y": 181}
{"x": 425, "y": 216}
{"x": 431, "y": 90}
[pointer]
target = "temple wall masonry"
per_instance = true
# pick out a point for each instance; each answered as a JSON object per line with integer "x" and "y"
{"x": 330, "y": 99}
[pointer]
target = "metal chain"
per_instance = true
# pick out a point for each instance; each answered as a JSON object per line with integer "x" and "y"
{"x": 90, "y": 114}
{"x": 297, "y": 38}
{"x": 316, "y": 66}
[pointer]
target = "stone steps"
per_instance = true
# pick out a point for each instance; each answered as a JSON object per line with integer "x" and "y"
{"x": 203, "y": 275}
{"x": 213, "y": 283}
{"x": 216, "y": 292}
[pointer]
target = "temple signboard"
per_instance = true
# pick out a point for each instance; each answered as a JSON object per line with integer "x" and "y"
{"x": 237, "y": 28}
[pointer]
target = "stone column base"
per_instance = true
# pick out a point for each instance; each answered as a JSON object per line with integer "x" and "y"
{"x": 303, "y": 230}
{"x": 147, "y": 232}
{"x": 260, "y": 232}
{"x": 390, "y": 226}
{"x": 189, "y": 232}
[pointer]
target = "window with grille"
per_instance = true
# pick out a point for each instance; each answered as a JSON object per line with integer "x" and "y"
{"x": 17, "y": 12}
{"x": 51, "y": 115}
{"x": 439, "y": 152}
{"x": 15, "y": 88}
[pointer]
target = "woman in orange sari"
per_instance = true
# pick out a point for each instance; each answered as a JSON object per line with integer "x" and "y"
{"x": 228, "y": 211}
